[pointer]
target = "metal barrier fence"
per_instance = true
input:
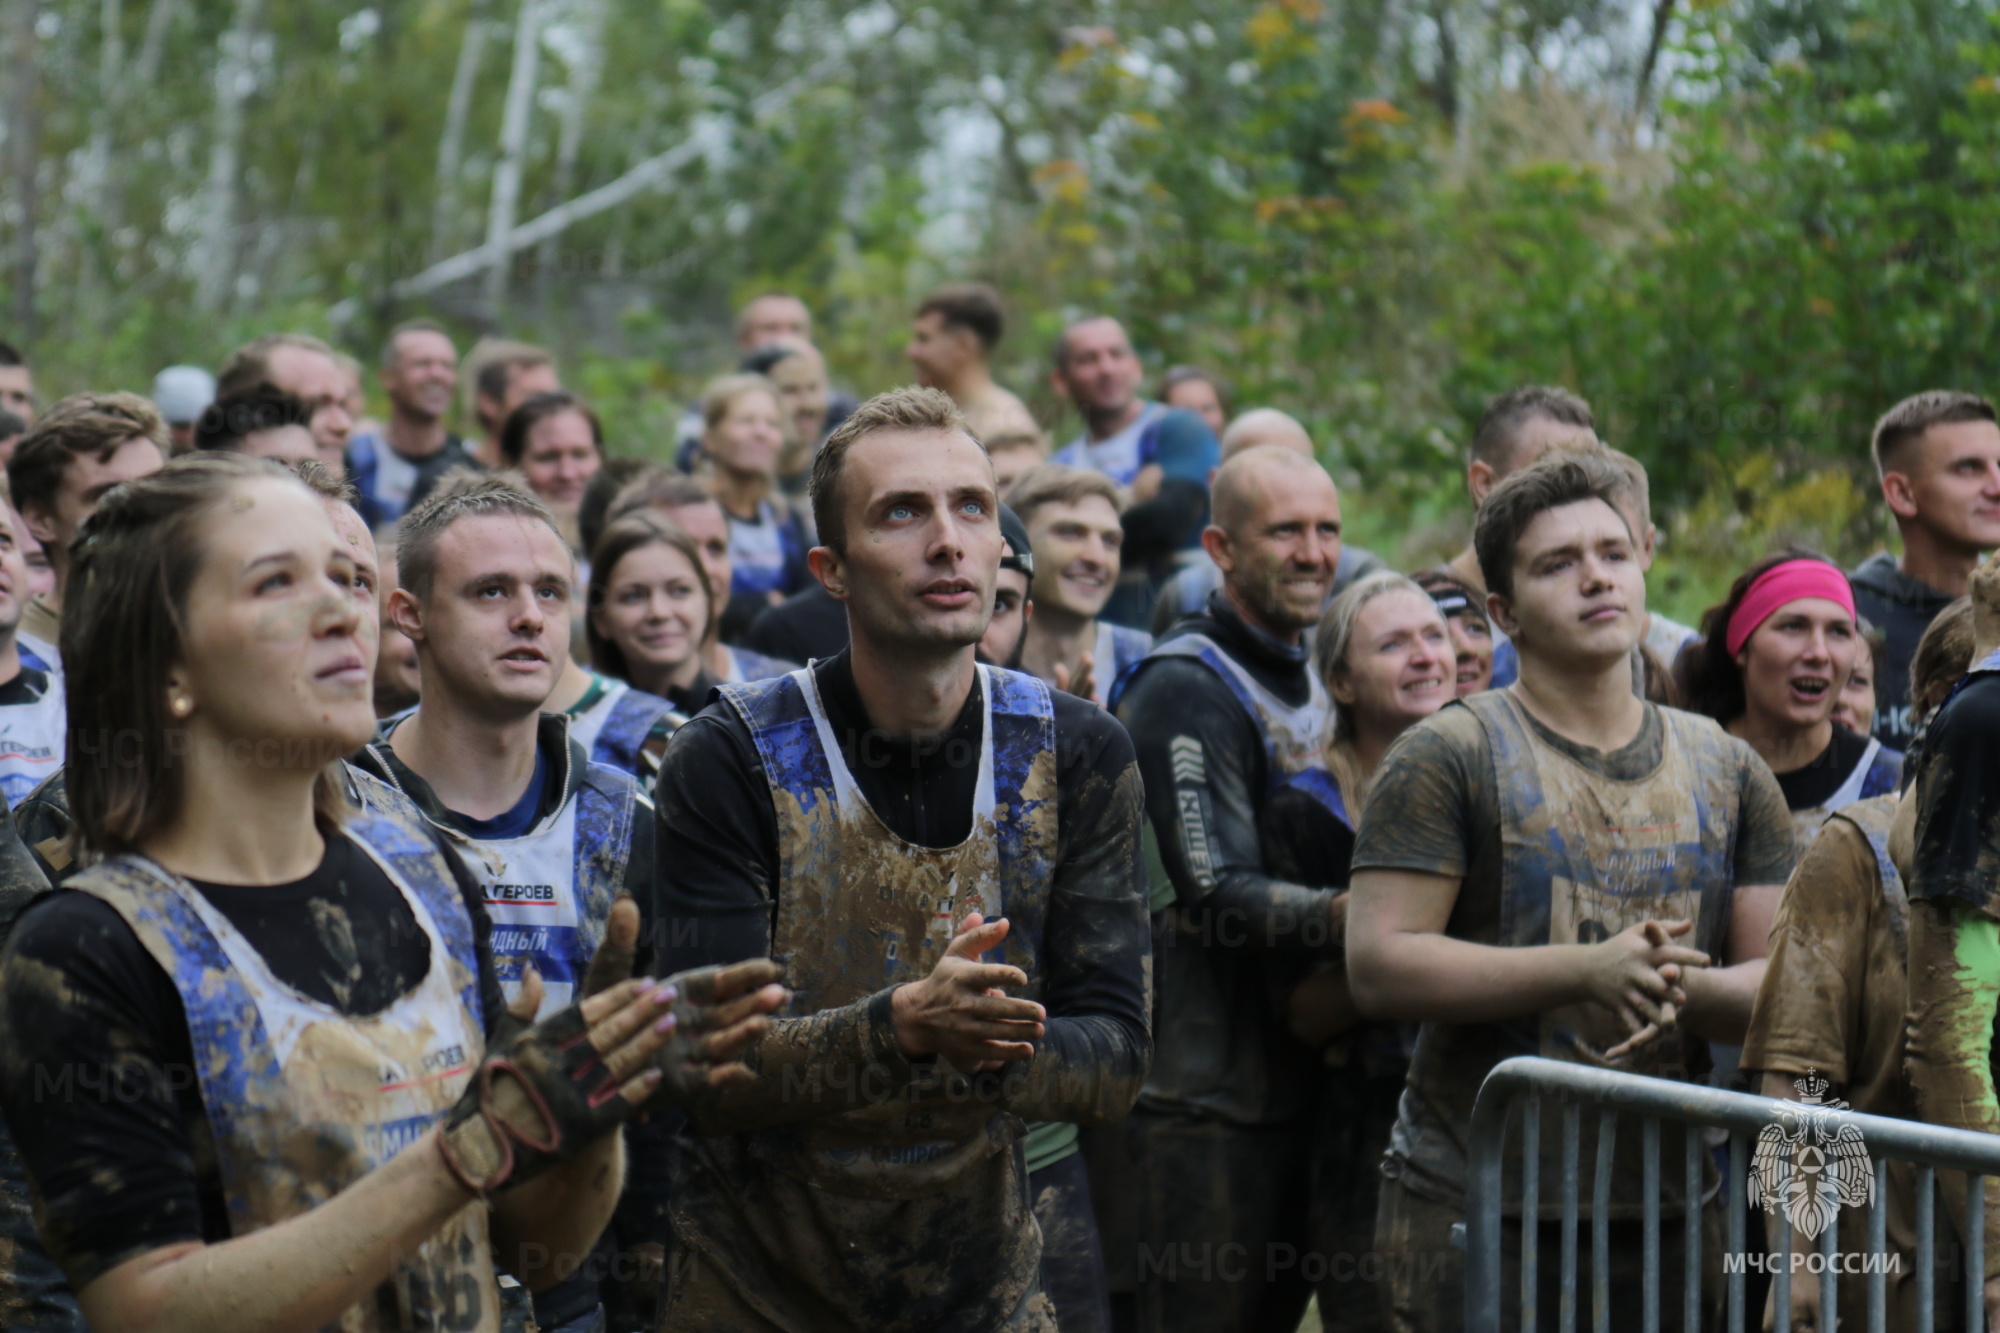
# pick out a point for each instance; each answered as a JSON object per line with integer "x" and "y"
{"x": 1529, "y": 1080}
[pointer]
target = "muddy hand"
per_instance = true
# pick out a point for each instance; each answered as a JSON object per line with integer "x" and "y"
{"x": 612, "y": 963}
{"x": 961, "y": 1011}
{"x": 720, "y": 1012}
{"x": 557, "y": 1087}
{"x": 1636, "y": 975}
{"x": 1084, "y": 683}
{"x": 1669, "y": 1010}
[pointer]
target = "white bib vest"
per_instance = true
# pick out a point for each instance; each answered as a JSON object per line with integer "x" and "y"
{"x": 529, "y": 887}
{"x": 31, "y": 741}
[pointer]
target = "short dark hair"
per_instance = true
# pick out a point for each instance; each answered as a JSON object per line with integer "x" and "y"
{"x": 11, "y": 355}
{"x": 1710, "y": 680}
{"x": 632, "y": 533}
{"x": 124, "y": 630}
{"x": 611, "y": 477}
{"x": 760, "y": 360}
{"x": 1178, "y": 375}
{"x": 968, "y": 305}
{"x": 1060, "y": 352}
{"x": 472, "y": 496}
{"x": 389, "y": 352}
{"x": 83, "y": 423}
{"x": 1493, "y": 439}
{"x": 1906, "y": 422}
{"x": 1565, "y": 479}
{"x": 523, "y": 419}
{"x": 909, "y": 408}
{"x": 496, "y": 362}
{"x": 226, "y": 422}
{"x": 250, "y": 364}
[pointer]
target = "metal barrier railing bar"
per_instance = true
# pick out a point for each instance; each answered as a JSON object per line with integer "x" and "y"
{"x": 1529, "y": 1080}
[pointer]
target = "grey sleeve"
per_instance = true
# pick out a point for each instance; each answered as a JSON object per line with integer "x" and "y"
{"x": 1427, "y": 807}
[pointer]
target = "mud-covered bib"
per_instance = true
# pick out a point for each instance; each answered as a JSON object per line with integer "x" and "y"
{"x": 1586, "y": 856}
{"x": 860, "y": 908}
{"x": 1874, "y": 818}
{"x": 1876, "y": 773}
{"x": 305, "y": 1100}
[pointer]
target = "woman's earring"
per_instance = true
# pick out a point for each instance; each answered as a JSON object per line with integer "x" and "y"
{"x": 181, "y": 705}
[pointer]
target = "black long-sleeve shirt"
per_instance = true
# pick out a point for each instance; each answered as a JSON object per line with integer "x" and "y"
{"x": 1223, "y": 1049}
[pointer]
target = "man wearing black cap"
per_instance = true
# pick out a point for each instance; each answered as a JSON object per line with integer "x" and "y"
{"x": 1007, "y": 632}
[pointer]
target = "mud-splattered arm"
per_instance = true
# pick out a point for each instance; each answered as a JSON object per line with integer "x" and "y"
{"x": 1954, "y": 997}
{"x": 1954, "y": 937}
{"x": 1206, "y": 778}
{"x": 1097, "y": 961}
{"x": 718, "y": 856}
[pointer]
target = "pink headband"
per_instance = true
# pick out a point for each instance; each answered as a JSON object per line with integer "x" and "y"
{"x": 1791, "y": 581}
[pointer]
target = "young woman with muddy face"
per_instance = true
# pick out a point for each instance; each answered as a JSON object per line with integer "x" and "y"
{"x": 1776, "y": 655}
{"x": 324, "y": 971}
{"x": 650, "y": 611}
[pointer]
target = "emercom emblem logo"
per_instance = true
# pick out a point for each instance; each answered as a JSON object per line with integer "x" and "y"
{"x": 1806, "y": 1165}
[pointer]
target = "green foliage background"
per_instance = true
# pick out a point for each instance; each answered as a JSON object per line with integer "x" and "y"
{"x": 1373, "y": 215}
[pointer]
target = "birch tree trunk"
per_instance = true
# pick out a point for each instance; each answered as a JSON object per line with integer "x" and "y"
{"x": 583, "y": 77}
{"x": 24, "y": 151}
{"x": 451, "y": 144}
{"x": 153, "y": 45}
{"x": 513, "y": 148}
{"x": 216, "y": 255}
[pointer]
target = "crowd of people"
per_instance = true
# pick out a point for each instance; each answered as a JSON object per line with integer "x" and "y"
{"x": 883, "y": 870}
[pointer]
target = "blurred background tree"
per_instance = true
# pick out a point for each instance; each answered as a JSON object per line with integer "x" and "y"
{"x": 1740, "y": 227}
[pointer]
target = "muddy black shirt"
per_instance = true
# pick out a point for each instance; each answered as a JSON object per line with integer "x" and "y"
{"x": 1224, "y": 1051}
{"x": 100, "y": 1089}
{"x": 1958, "y": 801}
